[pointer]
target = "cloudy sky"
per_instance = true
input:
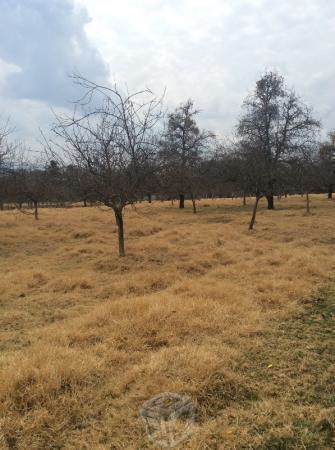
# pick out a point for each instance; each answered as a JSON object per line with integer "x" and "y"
{"x": 212, "y": 51}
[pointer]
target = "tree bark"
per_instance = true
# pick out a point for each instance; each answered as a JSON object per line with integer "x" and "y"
{"x": 307, "y": 203}
{"x": 149, "y": 198}
{"x": 35, "y": 210}
{"x": 193, "y": 204}
{"x": 85, "y": 203}
{"x": 330, "y": 191}
{"x": 244, "y": 199}
{"x": 270, "y": 201}
{"x": 254, "y": 212}
{"x": 181, "y": 201}
{"x": 120, "y": 229}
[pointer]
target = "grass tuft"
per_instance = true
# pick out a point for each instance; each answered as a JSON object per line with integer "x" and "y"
{"x": 198, "y": 306}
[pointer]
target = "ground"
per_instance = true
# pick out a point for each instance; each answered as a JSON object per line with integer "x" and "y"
{"x": 241, "y": 321}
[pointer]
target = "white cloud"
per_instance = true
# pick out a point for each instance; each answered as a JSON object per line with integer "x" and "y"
{"x": 212, "y": 51}
{"x": 48, "y": 42}
{"x": 41, "y": 43}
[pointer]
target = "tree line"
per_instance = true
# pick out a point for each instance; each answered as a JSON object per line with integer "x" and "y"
{"x": 117, "y": 148}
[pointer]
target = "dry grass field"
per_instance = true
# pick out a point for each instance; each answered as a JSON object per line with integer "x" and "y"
{"x": 240, "y": 321}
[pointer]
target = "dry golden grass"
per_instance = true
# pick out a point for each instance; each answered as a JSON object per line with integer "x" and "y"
{"x": 87, "y": 337}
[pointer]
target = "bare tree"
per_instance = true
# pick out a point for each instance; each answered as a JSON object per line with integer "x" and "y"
{"x": 29, "y": 180}
{"x": 182, "y": 148}
{"x": 6, "y": 159}
{"x": 302, "y": 173}
{"x": 79, "y": 185}
{"x": 276, "y": 124}
{"x": 5, "y": 146}
{"x": 327, "y": 160}
{"x": 31, "y": 186}
{"x": 111, "y": 134}
{"x": 254, "y": 173}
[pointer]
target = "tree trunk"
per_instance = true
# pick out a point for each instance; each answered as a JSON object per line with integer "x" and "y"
{"x": 181, "y": 201}
{"x": 193, "y": 204}
{"x": 85, "y": 203}
{"x": 35, "y": 210}
{"x": 307, "y": 203}
{"x": 244, "y": 199}
{"x": 120, "y": 229}
{"x": 254, "y": 212}
{"x": 270, "y": 201}
{"x": 149, "y": 198}
{"x": 1, "y": 205}
{"x": 330, "y": 191}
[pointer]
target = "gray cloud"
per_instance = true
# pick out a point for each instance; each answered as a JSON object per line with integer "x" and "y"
{"x": 210, "y": 50}
{"x": 46, "y": 40}
{"x": 214, "y": 50}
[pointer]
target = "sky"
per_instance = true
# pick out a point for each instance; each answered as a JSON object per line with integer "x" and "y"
{"x": 211, "y": 51}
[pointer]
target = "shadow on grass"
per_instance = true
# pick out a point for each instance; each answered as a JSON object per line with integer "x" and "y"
{"x": 294, "y": 374}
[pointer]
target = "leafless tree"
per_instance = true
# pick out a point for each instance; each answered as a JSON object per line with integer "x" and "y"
{"x": 6, "y": 158}
{"x": 182, "y": 149}
{"x": 254, "y": 170}
{"x": 303, "y": 173}
{"x": 327, "y": 163}
{"x": 276, "y": 124}
{"x": 29, "y": 181}
{"x": 112, "y": 135}
{"x": 30, "y": 184}
{"x": 5, "y": 146}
